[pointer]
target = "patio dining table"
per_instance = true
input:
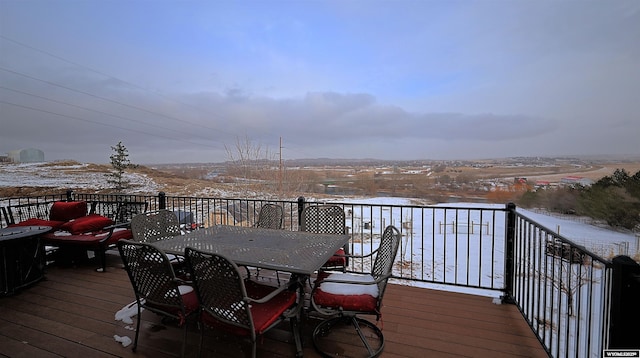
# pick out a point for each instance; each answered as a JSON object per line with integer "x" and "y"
{"x": 298, "y": 252}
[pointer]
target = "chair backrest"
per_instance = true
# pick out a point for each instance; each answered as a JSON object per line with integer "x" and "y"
{"x": 385, "y": 257}
{"x": 151, "y": 274}
{"x": 154, "y": 226}
{"x": 323, "y": 219}
{"x": 270, "y": 217}
{"x": 220, "y": 287}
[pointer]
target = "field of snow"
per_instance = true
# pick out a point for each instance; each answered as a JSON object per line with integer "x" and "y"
{"x": 66, "y": 176}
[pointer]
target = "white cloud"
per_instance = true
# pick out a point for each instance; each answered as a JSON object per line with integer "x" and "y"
{"x": 331, "y": 79}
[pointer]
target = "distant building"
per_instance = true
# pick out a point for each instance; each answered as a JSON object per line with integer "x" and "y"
{"x": 543, "y": 183}
{"x": 29, "y": 155}
{"x": 572, "y": 180}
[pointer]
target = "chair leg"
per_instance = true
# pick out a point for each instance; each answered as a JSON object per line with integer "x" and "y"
{"x": 357, "y": 325}
{"x": 135, "y": 342}
{"x": 201, "y": 326}
{"x": 326, "y": 333}
{"x": 296, "y": 329}
{"x": 184, "y": 341}
{"x": 101, "y": 255}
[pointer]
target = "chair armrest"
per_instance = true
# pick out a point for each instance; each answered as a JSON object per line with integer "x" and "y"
{"x": 357, "y": 256}
{"x": 180, "y": 281}
{"x": 273, "y": 294}
{"x": 116, "y": 226}
{"x": 111, "y": 228}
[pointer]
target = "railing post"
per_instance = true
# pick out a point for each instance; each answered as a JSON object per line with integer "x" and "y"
{"x": 162, "y": 200}
{"x": 625, "y": 309}
{"x": 300, "y": 208}
{"x": 509, "y": 265}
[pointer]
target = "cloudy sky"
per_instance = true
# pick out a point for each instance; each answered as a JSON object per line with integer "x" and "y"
{"x": 190, "y": 81}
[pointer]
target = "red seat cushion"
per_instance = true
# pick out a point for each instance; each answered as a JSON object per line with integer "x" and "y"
{"x": 87, "y": 223}
{"x": 348, "y": 296}
{"x": 189, "y": 301}
{"x": 264, "y": 314}
{"x": 39, "y": 222}
{"x": 67, "y": 210}
{"x": 88, "y": 239}
{"x": 336, "y": 260}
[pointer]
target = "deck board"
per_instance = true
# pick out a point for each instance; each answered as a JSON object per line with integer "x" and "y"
{"x": 71, "y": 314}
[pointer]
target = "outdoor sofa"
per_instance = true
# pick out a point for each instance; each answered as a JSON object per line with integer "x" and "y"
{"x": 78, "y": 226}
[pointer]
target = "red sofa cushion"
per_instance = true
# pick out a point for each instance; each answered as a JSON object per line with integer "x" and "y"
{"x": 39, "y": 222}
{"x": 63, "y": 237}
{"x": 87, "y": 223}
{"x": 67, "y": 210}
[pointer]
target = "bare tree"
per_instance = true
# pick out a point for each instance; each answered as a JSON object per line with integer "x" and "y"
{"x": 247, "y": 163}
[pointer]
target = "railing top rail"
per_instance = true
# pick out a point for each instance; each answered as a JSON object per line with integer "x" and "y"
{"x": 564, "y": 240}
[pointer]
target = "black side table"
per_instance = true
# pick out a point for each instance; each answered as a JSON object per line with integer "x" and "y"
{"x": 22, "y": 258}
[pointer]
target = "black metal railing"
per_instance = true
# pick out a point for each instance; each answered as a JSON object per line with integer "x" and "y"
{"x": 563, "y": 291}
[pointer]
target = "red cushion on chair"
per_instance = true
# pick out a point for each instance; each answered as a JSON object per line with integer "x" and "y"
{"x": 189, "y": 300}
{"x": 348, "y": 296}
{"x": 336, "y": 260}
{"x": 39, "y": 222}
{"x": 87, "y": 223}
{"x": 67, "y": 210}
{"x": 264, "y": 314}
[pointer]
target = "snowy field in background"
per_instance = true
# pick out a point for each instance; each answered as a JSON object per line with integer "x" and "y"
{"x": 65, "y": 176}
{"x": 602, "y": 241}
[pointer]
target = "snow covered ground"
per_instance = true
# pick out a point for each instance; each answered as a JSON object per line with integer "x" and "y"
{"x": 602, "y": 241}
{"x": 66, "y": 176}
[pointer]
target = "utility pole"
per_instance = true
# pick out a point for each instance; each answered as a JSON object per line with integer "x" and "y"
{"x": 280, "y": 174}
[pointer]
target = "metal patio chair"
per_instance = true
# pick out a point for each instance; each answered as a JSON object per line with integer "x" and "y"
{"x": 155, "y": 226}
{"x": 156, "y": 286}
{"x": 344, "y": 297}
{"x": 271, "y": 216}
{"x": 327, "y": 219}
{"x": 241, "y": 307}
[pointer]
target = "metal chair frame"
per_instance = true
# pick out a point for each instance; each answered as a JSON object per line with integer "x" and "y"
{"x": 325, "y": 219}
{"x": 381, "y": 271}
{"x": 154, "y": 226}
{"x": 155, "y": 284}
{"x": 223, "y": 295}
{"x": 157, "y": 225}
{"x": 271, "y": 216}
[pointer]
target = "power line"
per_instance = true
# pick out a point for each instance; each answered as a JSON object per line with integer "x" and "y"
{"x": 99, "y": 123}
{"x": 98, "y": 97}
{"x": 96, "y": 111}
{"x": 198, "y": 125}
{"x": 110, "y": 77}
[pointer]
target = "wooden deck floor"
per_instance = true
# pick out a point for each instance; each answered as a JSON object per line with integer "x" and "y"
{"x": 72, "y": 314}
